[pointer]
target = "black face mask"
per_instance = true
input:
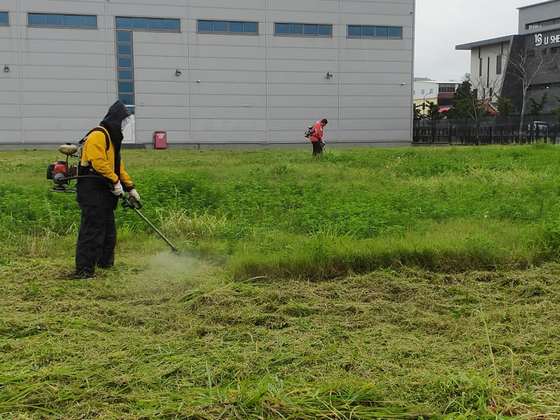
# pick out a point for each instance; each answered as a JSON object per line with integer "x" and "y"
{"x": 112, "y": 123}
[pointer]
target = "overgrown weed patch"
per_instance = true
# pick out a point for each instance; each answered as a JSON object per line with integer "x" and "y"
{"x": 406, "y": 283}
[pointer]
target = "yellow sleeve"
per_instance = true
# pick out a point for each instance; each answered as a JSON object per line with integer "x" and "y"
{"x": 125, "y": 178}
{"x": 94, "y": 151}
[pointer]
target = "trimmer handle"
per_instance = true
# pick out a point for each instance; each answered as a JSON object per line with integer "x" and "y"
{"x": 130, "y": 202}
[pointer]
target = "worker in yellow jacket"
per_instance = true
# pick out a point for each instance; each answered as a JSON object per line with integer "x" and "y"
{"x": 102, "y": 181}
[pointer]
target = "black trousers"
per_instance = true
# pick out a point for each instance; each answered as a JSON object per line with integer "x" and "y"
{"x": 317, "y": 147}
{"x": 97, "y": 239}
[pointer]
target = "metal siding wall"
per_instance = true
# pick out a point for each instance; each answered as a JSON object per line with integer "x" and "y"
{"x": 63, "y": 73}
{"x": 10, "y": 113}
{"x": 233, "y": 88}
{"x": 228, "y": 76}
{"x": 538, "y": 14}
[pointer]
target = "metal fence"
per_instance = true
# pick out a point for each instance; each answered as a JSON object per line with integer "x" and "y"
{"x": 488, "y": 131}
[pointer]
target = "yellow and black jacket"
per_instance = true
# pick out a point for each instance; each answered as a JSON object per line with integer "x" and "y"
{"x": 99, "y": 155}
{"x": 100, "y": 165}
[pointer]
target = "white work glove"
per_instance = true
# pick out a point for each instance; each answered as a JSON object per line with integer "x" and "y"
{"x": 134, "y": 194}
{"x": 118, "y": 189}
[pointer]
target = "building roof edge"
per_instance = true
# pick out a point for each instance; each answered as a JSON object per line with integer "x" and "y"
{"x": 484, "y": 42}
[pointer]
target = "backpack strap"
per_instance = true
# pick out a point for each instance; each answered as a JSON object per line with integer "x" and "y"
{"x": 105, "y": 133}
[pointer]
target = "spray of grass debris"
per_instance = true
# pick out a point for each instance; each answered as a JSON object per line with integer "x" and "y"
{"x": 167, "y": 273}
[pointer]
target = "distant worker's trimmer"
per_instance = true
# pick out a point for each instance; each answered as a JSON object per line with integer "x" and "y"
{"x": 129, "y": 202}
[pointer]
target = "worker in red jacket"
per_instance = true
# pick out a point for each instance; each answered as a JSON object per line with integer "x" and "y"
{"x": 316, "y": 137}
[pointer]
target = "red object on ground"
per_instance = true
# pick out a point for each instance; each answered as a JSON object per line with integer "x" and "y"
{"x": 160, "y": 140}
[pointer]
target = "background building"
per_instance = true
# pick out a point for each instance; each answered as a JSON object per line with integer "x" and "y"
{"x": 208, "y": 71}
{"x": 489, "y": 60}
{"x": 496, "y": 63}
{"x": 427, "y": 91}
{"x": 538, "y": 17}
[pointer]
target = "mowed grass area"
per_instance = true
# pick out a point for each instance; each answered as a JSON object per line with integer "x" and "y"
{"x": 372, "y": 283}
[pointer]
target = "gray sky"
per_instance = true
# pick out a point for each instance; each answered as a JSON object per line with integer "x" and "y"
{"x": 442, "y": 24}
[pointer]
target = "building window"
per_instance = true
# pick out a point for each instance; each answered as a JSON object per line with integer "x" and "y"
{"x": 4, "y": 19}
{"x": 125, "y": 68}
{"x": 499, "y": 64}
{"x": 542, "y": 24}
{"x": 149, "y": 24}
{"x": 50, "y": 20}
{"x": 227, "y": 27}
{"x": 375, "y": 32}
{"x": 488, "y": 74}
{"x": 446, "y": 89}
{"x": 303, "y": 29}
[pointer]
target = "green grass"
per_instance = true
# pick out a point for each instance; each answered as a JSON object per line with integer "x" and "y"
{"x": 373, "y": 283}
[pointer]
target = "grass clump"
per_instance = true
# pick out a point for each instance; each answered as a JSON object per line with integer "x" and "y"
{"x": 454, "y": 246}
{"x": 446, "y": 209}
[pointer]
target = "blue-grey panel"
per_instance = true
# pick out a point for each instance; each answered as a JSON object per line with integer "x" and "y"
{"x": 52, "y": 20}
{"x": 149, "y": 24}
{"x": 227, "y": 27}
{"x": 4, "y": 19}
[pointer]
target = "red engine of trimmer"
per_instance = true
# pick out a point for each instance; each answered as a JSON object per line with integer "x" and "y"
{"x": 61, "y": 172}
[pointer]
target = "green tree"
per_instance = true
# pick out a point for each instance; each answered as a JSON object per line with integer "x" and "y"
{"x": 466, "y": 104}
{"x": 505, "y": 106}
{"x": 417, "y": 112}
{"x": 433, "y": 112}
{"x": 556, "y": 111}
{"x": 536, "y": 107}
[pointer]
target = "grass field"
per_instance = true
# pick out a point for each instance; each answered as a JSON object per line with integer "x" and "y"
{"x": 404, "y": 283}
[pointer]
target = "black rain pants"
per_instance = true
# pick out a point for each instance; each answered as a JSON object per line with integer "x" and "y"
{"x": 98, "y": 234}
{"x": 96, "y": 240}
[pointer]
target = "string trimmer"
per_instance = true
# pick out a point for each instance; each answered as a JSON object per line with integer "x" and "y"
{"x": 62, "y": 173}
{"x": 129, "y": 202}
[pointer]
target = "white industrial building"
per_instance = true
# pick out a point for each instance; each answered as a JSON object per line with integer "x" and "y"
{"x": 208, "y": 71}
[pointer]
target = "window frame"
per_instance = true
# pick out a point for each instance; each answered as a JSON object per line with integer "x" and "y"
{"x": 57, "y": 26}
{"x": 132, "y": 28}
{"x": 7, "y": 14}
{"x": 227, "y": 31}
{"x": 531, "y": 26}
{"x": 128, "y": 42}
{"x": 499, "y": 64}
{"x": 292, "y": 34}
{"x": 375, "y": 29}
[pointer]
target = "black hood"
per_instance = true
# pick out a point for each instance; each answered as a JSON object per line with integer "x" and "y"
{"x": 112, "y": 122}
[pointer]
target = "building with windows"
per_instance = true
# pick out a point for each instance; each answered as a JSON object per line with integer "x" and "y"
{"x": 488, "y": 61}
{"x": 207, "y": 72}
{"x": 427, "y": 92}
{"x": 498, "y": 65}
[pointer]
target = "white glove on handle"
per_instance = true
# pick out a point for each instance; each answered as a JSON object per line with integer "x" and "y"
{"x": 118, "y": 189}
{"x": 134, "y": 194}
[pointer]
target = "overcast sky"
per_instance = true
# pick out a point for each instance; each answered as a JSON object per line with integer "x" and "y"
{"x": 442, "y": 24}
